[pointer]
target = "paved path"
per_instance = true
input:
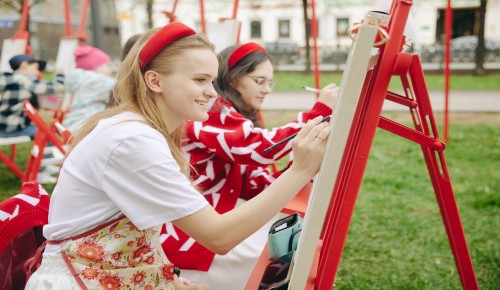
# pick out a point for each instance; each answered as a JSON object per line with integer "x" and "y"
{"x": 459, "y": 101}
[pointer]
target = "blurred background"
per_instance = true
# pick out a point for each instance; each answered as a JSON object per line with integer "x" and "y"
{"x": 282, "y": 26}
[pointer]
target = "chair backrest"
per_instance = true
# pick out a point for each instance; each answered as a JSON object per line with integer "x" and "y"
{"x": 54, "y": 133}
{"x": 21, "y": 219}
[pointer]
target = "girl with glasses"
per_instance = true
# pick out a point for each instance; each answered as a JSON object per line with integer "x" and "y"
{"x": 229, "y": 164}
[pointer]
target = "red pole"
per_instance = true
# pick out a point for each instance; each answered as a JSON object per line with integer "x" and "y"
{"x": 67, "y": 16}
{"x": 235, "y": 9}
{"x": 314, "y": 32}
{"x": 24, "y": 19}
{"x": 22, "y": 33}
{"x": 202, "y": 16}
{"x": 81, "y": 29}
{"x": 175, "y": 6}
{"x": 448, "y": 18}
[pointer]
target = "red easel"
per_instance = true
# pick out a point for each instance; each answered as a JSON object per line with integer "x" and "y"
{"x": 392, "y": 62}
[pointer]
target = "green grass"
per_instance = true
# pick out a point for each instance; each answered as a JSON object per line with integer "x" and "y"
{"x": 397, "y": 239}
{"x": 291, "y": 81}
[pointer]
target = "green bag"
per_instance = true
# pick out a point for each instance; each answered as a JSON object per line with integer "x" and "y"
{"x": 284, "y": 236}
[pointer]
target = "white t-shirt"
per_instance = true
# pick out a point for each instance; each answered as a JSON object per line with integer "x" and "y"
{"x": 121, "y": 167}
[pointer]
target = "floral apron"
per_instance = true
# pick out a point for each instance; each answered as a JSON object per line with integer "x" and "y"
{"x": 117, "y": 255}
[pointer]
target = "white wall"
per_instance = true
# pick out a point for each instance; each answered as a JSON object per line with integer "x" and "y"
{"x": 425, "y": 13}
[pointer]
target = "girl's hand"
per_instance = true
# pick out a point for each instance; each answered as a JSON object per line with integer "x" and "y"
{"x": 309, "y": 147}
{"x": 329, "y": 95}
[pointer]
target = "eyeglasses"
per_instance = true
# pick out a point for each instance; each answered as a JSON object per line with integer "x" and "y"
{"x": 263, "y": 82}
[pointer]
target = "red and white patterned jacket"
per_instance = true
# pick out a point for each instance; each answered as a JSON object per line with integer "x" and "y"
{"x": 227, "y": 155}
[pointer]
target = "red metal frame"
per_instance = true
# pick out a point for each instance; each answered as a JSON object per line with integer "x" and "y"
{"x": 22, "y": 32}
{"x": 314, "y": 34}
{"x": 171, "y": 14}
{"x": 54, "y": 133}
{"x": 67, "y": 18}
{"x": 10, "y": 160}
{"x": 80, "y": 33}
{"x": 367, "y": 118}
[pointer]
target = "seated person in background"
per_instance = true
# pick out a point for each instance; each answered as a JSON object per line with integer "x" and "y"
{"x": 23, "y": 84}
{"x": 89, "y": 85}
{"x": 229, "y": 164}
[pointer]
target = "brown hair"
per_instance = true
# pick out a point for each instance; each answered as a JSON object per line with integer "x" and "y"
{"x": 246, "y": 65}
{"x": 136, "y": 96}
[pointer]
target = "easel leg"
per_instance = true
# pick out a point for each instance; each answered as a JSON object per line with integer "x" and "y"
{"x": 438, "y": 172}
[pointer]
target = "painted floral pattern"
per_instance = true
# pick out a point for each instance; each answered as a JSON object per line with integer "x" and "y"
{"x": 119, "y": 256}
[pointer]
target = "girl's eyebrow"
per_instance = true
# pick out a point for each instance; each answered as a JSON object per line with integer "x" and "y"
{"x": 205, "y": 75}
{"x": 261, "y": 77}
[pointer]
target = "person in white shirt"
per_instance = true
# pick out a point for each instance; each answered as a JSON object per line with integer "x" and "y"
{"x": 126, "y": 176}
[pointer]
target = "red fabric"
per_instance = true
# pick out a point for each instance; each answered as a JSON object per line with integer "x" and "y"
{"x": 227, "y": 153}
{"x": 242, "y": 51}
{"x": 21, "y": 219}
{"x": 163, "y": 37}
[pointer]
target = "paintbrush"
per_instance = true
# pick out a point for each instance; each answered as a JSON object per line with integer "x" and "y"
{"x": 309, "y": 89}
{"x": 325, "y": 119}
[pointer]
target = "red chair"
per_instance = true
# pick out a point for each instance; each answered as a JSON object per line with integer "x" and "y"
{"x": 10, "y": 158}
{"x": 21, "y": 220}
{"x": 54, "y": 133}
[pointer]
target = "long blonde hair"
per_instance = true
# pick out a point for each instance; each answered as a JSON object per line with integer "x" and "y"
{"x": 136, "y": 97}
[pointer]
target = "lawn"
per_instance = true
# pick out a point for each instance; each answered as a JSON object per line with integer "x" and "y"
{"x": 396, "y": 238}
{"x": 288, "y": 81}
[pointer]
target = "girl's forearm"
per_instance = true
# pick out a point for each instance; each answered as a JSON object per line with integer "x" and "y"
{"x": 253, "y": 214}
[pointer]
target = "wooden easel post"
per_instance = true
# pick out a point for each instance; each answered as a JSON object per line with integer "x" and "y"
{"x": 350, "y": 90}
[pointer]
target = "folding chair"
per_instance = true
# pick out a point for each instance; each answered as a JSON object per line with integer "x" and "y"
{"x": 21, "y": 220}
{"x": 10, "y": 159}
{"x": 54, "y": 133}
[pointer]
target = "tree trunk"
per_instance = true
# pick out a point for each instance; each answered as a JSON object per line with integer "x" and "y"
{"x": 149, "y": 11}
{"x": 480, "y": 49}
{"x": 307, "y": 23}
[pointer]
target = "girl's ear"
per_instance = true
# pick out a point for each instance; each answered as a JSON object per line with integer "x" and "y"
{"x": 152, "y": 80}
{"x": 232, "y": 82}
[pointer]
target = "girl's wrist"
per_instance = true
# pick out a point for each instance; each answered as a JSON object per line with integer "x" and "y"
{"x": 304, "y": 175}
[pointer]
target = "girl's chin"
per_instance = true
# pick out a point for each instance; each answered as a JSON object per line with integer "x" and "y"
{"x": 200, "y": 117}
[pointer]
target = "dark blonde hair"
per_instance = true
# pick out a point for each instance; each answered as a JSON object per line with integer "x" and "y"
{"x": 136, "y": 97}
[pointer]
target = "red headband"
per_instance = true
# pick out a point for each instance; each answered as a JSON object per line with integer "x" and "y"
{"x": 163, "y": 37}
{"x": 242, "y": 51}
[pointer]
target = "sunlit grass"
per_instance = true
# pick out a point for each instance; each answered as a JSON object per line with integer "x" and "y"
{"x": 292, "y": 81}
{"x": 396, "y": 238}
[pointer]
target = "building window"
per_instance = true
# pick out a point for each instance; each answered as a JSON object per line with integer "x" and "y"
{"x": 342, "y": 26}
{"x": 255, "y": 29}
{"x": 284, "y": 28}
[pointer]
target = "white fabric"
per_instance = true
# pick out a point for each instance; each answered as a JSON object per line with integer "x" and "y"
{"x": 90, "y": 92}
{"x": 233, "y": 270}
{"x": 52, "y": 274}
{"x": 122, "y": 166}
